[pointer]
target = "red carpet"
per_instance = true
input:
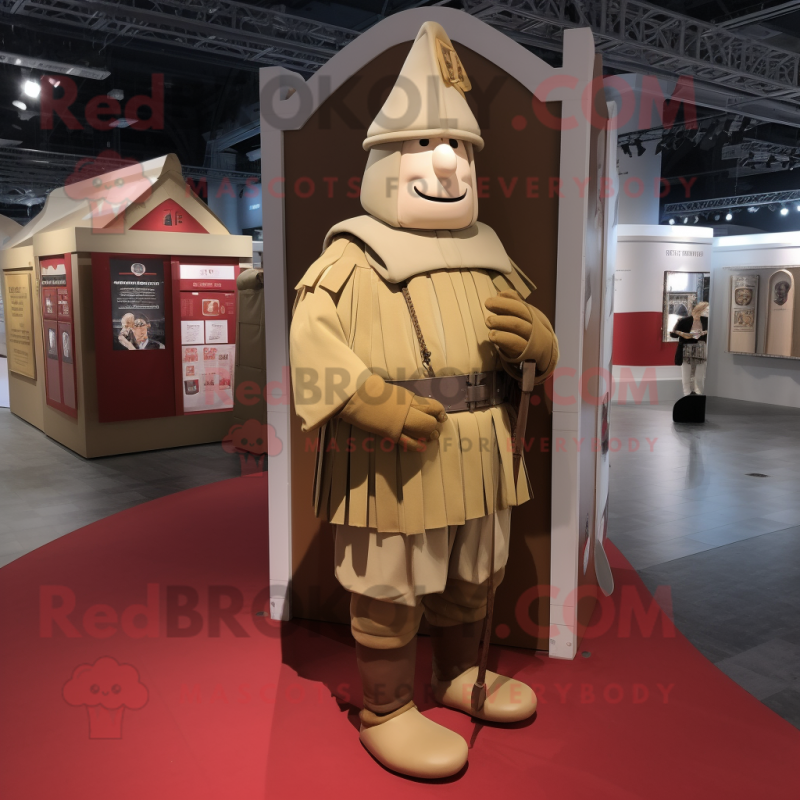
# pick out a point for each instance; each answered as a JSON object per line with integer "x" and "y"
{"x": 219, "y": 716}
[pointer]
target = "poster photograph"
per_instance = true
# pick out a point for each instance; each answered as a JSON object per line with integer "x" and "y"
{"x": 52, "y": 343}
{"x": 19, "y": 323}
{"x": 137, "y": 304}
{"x": 66, "y": 347}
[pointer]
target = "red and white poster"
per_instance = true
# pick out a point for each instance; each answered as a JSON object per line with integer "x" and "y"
{"x": 208, "y": 377}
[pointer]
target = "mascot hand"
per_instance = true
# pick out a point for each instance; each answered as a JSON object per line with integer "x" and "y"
{"x": 423, "y": 422}
{"x": 394, "y": 413}
{"x": 520, "y": 332}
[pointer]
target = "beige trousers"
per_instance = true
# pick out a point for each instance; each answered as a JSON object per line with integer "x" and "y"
{"x": 394, "y": 578}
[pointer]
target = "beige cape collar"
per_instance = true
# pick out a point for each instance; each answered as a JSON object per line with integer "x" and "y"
{"x": 398, "y": 254}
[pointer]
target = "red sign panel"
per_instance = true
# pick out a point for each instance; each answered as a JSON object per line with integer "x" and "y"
{"x": 169, "y": 217}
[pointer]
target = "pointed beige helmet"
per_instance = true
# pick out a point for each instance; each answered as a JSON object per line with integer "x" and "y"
{"x": 428, "y": 98}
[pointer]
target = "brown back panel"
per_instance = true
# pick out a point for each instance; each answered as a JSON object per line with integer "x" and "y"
{"x": 324, "y": 161}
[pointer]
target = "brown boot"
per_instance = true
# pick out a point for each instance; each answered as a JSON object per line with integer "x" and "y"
{"x": 387, "y": 676}
{"x": 455, "y": 659}
{"x": 456, "y": 648}
{"x": 392, "y": 729}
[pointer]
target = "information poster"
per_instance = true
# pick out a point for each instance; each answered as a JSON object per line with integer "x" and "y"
{"x": 19, "y": 323}
{"x": 780, "y": 314}
{"x": 208, "y": 377}
{"x": 744, "y": 304}
{"x": 137, "y": 304}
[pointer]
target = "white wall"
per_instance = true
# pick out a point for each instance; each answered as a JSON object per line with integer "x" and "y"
{"x": 758, "y": 379}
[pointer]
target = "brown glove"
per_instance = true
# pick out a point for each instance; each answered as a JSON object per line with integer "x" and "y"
{"x": 521, "y": 332}
{"x": 395, "y": 413}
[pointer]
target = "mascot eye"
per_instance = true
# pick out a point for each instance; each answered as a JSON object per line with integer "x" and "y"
{"x": 119, "y": 181}
{"x": 116, "y": 688}
{"x": 454, "y": 143}
{"x": 424, "y": 142}
{"x": 97, "y": 182}
{"x": 94, "y": 688}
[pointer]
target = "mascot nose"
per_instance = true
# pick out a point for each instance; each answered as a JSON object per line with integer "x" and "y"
{"x": 444, "y": 161}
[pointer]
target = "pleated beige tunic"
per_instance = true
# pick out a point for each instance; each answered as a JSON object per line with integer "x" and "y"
{"x": 349, "y": 322}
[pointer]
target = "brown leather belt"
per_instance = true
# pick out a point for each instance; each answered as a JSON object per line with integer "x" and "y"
{"x": 463, "y": 392}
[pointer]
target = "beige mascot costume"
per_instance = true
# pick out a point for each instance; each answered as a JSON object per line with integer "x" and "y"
{"x": 415, "y": 301}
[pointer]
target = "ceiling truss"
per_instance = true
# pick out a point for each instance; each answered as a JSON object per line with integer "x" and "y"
{"x": 728, "y": 203}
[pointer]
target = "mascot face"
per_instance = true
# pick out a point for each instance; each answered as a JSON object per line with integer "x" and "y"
{"x": 436, "y": 188}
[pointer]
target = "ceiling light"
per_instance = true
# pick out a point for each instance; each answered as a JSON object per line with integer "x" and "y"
{"x": 121, "y": 122}
{"x": 45, "y": 65}
{"x": 729, "y": 216}
{"x": 31, "y": 88}
{"x": 19, "y": 104}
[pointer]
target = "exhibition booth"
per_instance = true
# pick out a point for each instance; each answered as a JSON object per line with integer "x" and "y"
{"x": 663, "y": 271}
{"x": 754, "y": 340}
{"x": 129, "y": 260}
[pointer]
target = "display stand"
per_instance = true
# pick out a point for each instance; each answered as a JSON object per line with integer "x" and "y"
{"x": 130, "y": 341}
{"x": 311, "y": 162}
{"x": 691, "y": 408}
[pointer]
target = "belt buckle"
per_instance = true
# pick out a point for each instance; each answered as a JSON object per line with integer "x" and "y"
{"x": 475, "y": 383}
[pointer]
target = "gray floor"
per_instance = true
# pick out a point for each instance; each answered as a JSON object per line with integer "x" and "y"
{"x": 688, "y": 516}
{"x": 47, "y": 490}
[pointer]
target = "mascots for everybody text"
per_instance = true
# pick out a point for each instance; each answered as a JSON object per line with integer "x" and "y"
{"x": 411, "y": 339}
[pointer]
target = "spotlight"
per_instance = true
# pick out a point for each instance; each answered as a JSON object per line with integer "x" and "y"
{"x": 696, "y": 219}
{"x": 798, "y": 207}
{"x": 640, "y": 149}
{"x": 771, "y": 160}
{"x": 784, "y": 211}
{"x": 753, "y": 209}
{"x": 660, "y": 146}
{"x": 686, "y": 220}
{"x": 771, "y": 206}
{"x": 728, "y": 217}
{"x": 626, "y": 148}
{"x": 31, "y": 88}
{"x": 716, "y": 217}
{"x": 672, "y": 220}
{"x": 19, "y": 104}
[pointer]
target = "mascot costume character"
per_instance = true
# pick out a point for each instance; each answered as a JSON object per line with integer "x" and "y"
{"x": 410, "y": 336}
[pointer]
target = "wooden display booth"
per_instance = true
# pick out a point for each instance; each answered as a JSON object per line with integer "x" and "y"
{"x": 532, "y": 189}
{"x": 124, "y": 297}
